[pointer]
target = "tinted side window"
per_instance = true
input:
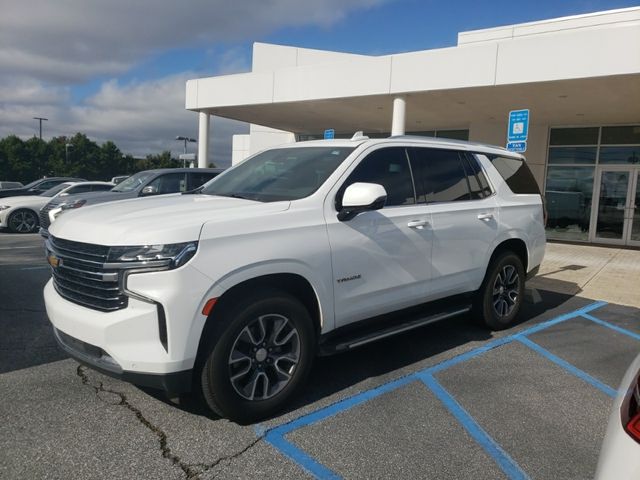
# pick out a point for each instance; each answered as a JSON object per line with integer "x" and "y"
{"x": 442, "y": 177}
{"x": 101, "y": 188}
{"x": 200, "y": 178}
{"x": 388, "y": 167}
{"x": 169, "y": 183}
{"x": 79, "y": 189}
{"x": 478, "y": 183}
{"x": 516, "y": 173}
{"x": 47, "y": 185}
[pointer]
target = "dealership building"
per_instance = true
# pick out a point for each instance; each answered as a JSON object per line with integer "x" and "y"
{"x": 579, "y": 78}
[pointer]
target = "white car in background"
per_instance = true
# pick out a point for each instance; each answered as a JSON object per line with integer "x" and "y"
{"x": 21, "y": 214}
{"x": 620, "y": 454}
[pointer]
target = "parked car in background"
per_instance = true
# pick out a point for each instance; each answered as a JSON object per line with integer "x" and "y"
{"x": 620, "y": 454}
{"x": 7, "y": 185}
{"x": 312, "y": 247}
{"x": 142, "y": 184}
{"x": 21, "y": 214}
{"x": 119, "y": 179}
{"x": 37, "y": 187}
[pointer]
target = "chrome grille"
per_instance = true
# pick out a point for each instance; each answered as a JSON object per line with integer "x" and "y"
{"x": 44, "y": 216}
{"x": 82, "y": 277}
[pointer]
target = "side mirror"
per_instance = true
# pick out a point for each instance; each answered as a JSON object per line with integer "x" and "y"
{"x": 361, "y": 197}
{"x": 149, "y": 190}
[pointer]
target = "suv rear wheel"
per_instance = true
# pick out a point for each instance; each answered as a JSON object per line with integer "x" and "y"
{"x": 259, "y": 357}
{"x": 502, "y": 291}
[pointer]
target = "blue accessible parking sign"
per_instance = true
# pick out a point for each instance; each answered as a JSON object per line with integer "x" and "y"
{"x": 518, "y": 125}
{"x": 329, "y": 134}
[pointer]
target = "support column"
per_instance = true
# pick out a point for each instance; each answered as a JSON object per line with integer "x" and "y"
{"x": 203, "y": 140}
{"x": 399, "y": 114}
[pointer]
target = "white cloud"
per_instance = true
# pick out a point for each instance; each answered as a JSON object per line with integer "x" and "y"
{"x": 48, "y": 47}
{"x": 73, "y": 40}
{"x": 140, "y": 117}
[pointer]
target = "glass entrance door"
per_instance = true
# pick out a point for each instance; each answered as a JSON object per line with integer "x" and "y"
{"x": 633, "y": 214}
{"x": 616, "y": 216}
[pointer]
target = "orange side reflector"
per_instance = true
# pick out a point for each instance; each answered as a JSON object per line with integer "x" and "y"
{"x": 206, "y": 310}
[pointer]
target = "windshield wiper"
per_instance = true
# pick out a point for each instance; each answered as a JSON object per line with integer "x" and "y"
{"x": 194, "y": 191}
{"x": 237, "y": 195}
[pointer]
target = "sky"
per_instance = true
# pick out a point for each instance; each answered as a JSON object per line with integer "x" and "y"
{"x": 116, "y": 69}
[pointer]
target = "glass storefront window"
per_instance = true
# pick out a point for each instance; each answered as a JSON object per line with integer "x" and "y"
{"x": 620, "y": 155}
{"x": 568, "y": 195}
{"x": 573, "y": 155}
{"x": 621, "y": 135}
{"x": 454, "y": 134}
{"x": 574, "y": 136}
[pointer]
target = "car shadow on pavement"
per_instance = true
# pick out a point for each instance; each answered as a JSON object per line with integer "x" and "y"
{"x": 336, "y": 373}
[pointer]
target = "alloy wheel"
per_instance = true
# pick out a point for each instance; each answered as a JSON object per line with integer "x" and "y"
{"x": 23, "y": 221}
{"x": 506, "y": 289}
{"x": 264, "y": 357}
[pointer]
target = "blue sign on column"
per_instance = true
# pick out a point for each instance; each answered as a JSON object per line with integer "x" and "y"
{"x": 518, "y": 126}
{"x": 329, "y": 134}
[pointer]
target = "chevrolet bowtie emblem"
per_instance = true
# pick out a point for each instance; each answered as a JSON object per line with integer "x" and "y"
{"x": 54, "y": 261}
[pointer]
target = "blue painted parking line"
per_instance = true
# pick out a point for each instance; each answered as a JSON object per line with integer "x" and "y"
{"x": 568, "y": 367}
{"x": 611, "y": 326}
{"x": 502, "y": 458}
{"x": 304, "y": 460}
{"x": 276, "y": 436}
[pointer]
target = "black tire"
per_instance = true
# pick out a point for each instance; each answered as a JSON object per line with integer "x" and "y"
{"x": 23, "y": 221}
{"x": 498, "y": 307}
{"x": 236, "y": 327}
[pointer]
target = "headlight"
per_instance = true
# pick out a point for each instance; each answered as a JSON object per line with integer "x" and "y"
{"x": 162, "y": 256}
{"x": 75, "y": 204}
{"x": 4, "y": 207}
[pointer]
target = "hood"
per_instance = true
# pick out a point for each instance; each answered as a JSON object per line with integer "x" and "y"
{"x": 92, "y": 197}
{"x": 33, "y": 201}
{"x": 155, "y": 220}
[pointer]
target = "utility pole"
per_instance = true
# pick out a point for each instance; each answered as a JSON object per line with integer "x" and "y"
{"x": 40, "y": 119}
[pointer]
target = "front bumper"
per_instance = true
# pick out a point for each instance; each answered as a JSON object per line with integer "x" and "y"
{"x": 4, "y": 218}
{"x": 98, "y": 359}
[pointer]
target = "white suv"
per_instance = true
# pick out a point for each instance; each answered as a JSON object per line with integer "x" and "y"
{"x": 316, "y": 247}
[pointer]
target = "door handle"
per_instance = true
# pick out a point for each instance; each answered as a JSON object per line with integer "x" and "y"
{"x": 419, "y": 224}
{"x": 485, "y": 217}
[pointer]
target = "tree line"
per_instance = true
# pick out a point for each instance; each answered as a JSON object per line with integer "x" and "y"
{"x": 77, "y": 156}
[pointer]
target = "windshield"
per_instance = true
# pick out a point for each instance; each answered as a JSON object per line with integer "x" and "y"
{"x": 32, "y": 184}
{"x": 53, "y": 191}
{"x": 133, "y": 182}
{"x": 279, "y": 174}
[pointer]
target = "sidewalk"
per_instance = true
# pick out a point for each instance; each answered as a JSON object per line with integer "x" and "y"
{"x": 598, "y": 273}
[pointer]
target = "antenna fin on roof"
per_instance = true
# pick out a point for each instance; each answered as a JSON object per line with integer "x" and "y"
{"x": 359, "y": 135}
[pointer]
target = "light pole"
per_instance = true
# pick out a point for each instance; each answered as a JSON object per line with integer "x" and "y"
{"x": 185, "y": 139}
{"x": 67, "y": 146}
{"x": 40, "y": 119}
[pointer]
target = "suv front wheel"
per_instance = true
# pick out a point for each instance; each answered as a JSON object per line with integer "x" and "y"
{"x": 260, "y": 355}
{"x": 502, "y": 291}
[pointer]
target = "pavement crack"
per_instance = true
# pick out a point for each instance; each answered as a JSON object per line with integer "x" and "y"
{"x": 192, "y": 471}
{"x": 230, "y": 457}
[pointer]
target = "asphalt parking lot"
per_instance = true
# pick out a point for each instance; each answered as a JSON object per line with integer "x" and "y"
{"x": 448, "y": 401}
